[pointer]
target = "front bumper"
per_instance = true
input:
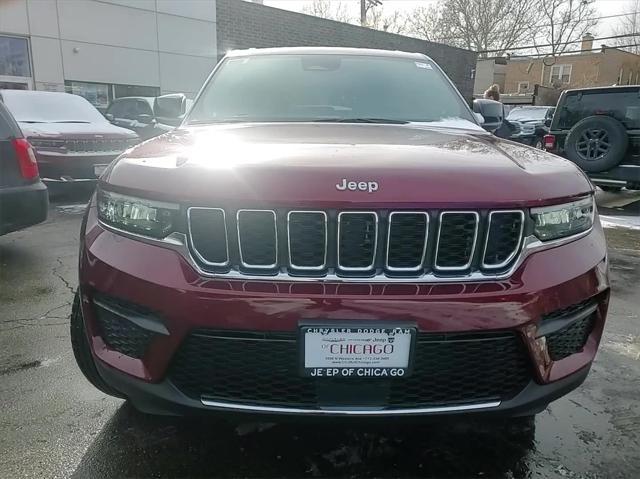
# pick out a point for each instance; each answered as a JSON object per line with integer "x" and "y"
{"x": 160, "y": 280}
{"x": 23, "y": 206}
{"x": 58, "y": 168}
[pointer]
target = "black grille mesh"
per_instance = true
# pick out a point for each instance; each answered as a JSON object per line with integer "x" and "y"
{"x": 456, "y": 241}
{"x": 504, "y": 237}
{"x": 263, "y": 369}
{"x": 208, "y": 234}
{"x": 407, "y": 236}
{"x": 307, "y": 239}
{"x": 357, "y": 240}
{"x": 571, "y": 339}
{"x": 121, "y": 335}
{"x": 256, "y": 230}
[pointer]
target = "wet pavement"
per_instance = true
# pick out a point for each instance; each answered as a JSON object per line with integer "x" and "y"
{"x": 53, "y": 424}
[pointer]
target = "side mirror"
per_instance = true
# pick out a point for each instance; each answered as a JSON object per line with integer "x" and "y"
{"x": 479, "y": 117}
{"x": 144, "y": 118}
{"x": 547, "y": 122}
{"x": 109, "y": 117}
{"x": 170, "y": 106}
{"x": 491, "y": 111}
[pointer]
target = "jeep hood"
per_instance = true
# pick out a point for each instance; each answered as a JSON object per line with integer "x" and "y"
{"x": 300, "y": 164}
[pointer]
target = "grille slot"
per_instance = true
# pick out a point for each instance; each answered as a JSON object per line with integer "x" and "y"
{"x": 263, "y": 369}
{"x": 307, "y": 237}
{"x": 407, "y": 240}
{"x": 503, "y": 238}
{"x": 208, "y": 232}
{"x": 258, "y": 238}
{"x": 357, "y": 240}
{"x": 457, "y": 236}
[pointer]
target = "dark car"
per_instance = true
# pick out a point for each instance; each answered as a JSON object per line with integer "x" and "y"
{"x": 330, "y": 232}
{"x": 148, "y": 116}
{"x": 599, "y": 130}
{"x": 72, "y": 140}
{"x": 23, "y": 197}
{"x": 533, "y": 124}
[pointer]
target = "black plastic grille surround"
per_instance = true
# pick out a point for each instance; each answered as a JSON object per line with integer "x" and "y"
{"x": 257, "y": 238}
{"x": 307, "y": 239}
{"x": 120, "y": 334}
{"x": 571, "y": 338}
{"x": 503, "y": 238}
{"x": 456, "y": 240}
{"x": 407, "y": 240}
{"x": 262, "y": 368}
{"x": 357, "y": 240}
{"x": 355, "y": 243}
{"x": 208, "y": 235}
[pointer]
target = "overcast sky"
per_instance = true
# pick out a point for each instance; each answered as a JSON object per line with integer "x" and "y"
{"x": 605, "y": 8}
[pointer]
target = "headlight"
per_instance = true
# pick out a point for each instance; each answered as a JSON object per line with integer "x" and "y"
{"x": 552, "y": 222}
{"x": 136, "y": 215}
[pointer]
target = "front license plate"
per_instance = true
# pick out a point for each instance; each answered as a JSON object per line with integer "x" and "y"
{"x": 358, "y": 352}
{"x": 99, "y": 169}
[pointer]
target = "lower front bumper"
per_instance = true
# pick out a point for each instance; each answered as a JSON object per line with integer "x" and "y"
{"x": 165, "y": 399}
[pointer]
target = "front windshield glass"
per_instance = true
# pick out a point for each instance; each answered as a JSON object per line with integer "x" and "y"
{"x": 527, "y": 114}
{"x": 45, "y": 107}
{"x": 318, "y": 87}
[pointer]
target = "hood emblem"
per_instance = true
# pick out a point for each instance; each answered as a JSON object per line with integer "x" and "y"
{"x": 368, "y": 186}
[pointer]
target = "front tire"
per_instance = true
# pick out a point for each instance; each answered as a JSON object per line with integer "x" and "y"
{"x": 82, "y": 351}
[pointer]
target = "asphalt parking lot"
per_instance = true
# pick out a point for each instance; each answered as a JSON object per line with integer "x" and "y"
{"x": 54, "y": 424}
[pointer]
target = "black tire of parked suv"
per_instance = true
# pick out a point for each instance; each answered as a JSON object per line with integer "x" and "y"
{"x": 82, "y": 352}
{"x": 597, "y": 143}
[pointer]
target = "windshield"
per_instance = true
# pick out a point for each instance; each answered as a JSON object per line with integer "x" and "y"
{"x": 527, "y": 114}
{"x": 316, "y": 87}
{"x": 45, "y": 107}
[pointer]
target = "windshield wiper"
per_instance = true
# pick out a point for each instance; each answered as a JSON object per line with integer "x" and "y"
{"x": 71, "y": 121}
{"x": 361, "y": 120}
{"x": 30, "y": 121}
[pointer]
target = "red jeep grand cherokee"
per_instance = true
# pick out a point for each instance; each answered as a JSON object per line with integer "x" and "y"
{"x": 330, "y": 232}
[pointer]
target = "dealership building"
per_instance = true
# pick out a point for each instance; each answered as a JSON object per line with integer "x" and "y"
{"x": 105, "y": 49}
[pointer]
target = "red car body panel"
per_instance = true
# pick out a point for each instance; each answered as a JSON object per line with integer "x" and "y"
{"x": 300, "y": 164}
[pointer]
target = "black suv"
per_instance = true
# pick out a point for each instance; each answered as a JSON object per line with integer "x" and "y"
{"x": 23, "y": 197}
{"x": 599, "y": 130}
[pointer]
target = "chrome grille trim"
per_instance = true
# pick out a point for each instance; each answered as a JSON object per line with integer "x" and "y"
{"x": 486, "y": 239}
{"x": 326, "y": 241}
{"x": 375, "y": 242}
{"x": 473, "y": 245}
{"x": 275, "y": 232}
{"x": 226, "y": 236}
{"x": 424, "y": 246}
{"x": 178, "y": 242}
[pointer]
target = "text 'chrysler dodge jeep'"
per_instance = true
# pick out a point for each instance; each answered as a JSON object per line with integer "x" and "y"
{"x": 330, "y": 232}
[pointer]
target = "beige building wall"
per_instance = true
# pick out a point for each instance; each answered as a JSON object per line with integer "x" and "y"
{"x": 587, "y": 70}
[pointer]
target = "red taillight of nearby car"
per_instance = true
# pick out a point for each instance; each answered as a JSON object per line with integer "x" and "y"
{"x": 26, "y": 159}
{"x": 549, "y": 142}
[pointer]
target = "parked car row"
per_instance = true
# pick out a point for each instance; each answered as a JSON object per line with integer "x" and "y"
{"x": 54, "y": 139}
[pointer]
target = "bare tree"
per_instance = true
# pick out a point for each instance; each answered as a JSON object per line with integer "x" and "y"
{"x": 487, "y": 26}
{"x": 330, "y": 10}
{"x": 425, "y": 22}
{"x": 629, "y": 25}
{"x": 393, "y": 22}
{"x": 561, "y": 25}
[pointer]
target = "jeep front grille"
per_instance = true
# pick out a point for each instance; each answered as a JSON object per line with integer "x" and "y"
{"x": 354, "y": 243}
